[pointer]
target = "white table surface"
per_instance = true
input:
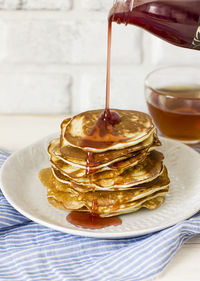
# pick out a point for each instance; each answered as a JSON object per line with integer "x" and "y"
{"x": 19, "y": 131}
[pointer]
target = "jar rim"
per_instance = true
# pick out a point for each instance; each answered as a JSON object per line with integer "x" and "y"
{"x": 164, "y": 68}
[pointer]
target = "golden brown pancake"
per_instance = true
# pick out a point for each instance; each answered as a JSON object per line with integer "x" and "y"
{"x": 70, "y": 203}
{"x": 74, "y": 188}
{"x": 133, "y": 128}
{"x": 108, "y": 203}
{"x": 78, "y": 157}
{"x": 106, "y": 169}
{"x": 109, "y": 171}
{"x": 146, "y": 171}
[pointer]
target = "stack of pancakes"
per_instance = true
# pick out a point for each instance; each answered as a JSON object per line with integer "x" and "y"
{"x": 128, "y": 173}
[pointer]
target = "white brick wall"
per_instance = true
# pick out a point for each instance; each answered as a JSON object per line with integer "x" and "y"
{"x": 96, "y": 5}
{"x": 35, "y": 4}
{"x": 127, "y": 89}
{"x": 10, "y": 4}
{"x": 46, "y": 4}
{"x": 3, "y": 40}
{"x": 163, "y": 52}
{"x": 38, "y": 41}
{"x": 42, "y": 93}
{"x": 89, "y": 44}
{"x": 53, "y": 57}
{"x": 64, "y": 41}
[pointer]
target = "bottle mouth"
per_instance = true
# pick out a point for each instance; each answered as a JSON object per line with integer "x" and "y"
{"x": 121, "y": 6}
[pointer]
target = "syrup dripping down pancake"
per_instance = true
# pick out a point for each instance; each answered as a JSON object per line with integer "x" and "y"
{"x": 74, "y": 188}
{"x": 108, "y": 171}
{"x": 108, "y": 203}
{"x": 106, "y": 168}
{"x": 77, "y": 157}
{"x": 133, "y": 128}
{"x": 146, "y": 171}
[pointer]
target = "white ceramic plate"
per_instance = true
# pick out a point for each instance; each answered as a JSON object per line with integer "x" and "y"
{"x": 23, "y": 190}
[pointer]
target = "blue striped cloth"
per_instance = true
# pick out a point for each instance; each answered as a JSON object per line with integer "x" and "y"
{"x": 29, "y": 251}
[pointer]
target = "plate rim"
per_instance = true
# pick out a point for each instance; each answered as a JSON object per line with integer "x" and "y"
{"x": 82, "y": 231}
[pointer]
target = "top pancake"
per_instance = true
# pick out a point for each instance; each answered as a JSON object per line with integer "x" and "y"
{"x": 133, "y": 128}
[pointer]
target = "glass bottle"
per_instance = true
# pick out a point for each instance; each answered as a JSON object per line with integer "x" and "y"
{"x": 175, "y": 21}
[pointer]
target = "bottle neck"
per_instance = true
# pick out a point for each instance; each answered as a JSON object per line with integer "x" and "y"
{"x": 121, "y": 8}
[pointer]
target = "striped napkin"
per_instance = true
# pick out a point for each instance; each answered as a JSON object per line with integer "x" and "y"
{"x": 29, "y": 251}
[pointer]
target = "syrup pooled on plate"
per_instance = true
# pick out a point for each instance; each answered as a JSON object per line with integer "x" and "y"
{"x": 176, "y": 111}
{"x": 89, "y": 221}
{"x": 85, "y": 219}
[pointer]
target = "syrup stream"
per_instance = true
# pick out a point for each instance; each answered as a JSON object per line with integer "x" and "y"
{"x": 108, "y": 66}
{"x": 100, "y": 136}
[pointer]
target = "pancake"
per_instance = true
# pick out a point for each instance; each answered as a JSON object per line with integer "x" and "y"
{"x": 106, "y": 198}
{"x": 103, "y": 166}
{"x": 161, "y": 180}
{"x": 64, "y": 123}
{"x": 107, "y": 203}
{"x": 133, "y": 128}
{"x": 109, "y": 171}
{"x": 78, "y": 157}
{"x": 146, "y": 171}
{"x": 71, "y": 203}
{"x": 112, "y": 170}
{"x": 103, "y": 198}
{"x": 151, "y": 202}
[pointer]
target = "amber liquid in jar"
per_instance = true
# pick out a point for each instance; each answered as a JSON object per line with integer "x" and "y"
{"x": 176, "y": 111}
